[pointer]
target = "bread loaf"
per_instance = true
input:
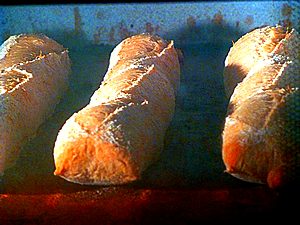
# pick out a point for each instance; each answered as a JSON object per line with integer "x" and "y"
{"x": 261, "y": 134}
{"x": 33, "y": 75}
{"x": 121, "y": 131}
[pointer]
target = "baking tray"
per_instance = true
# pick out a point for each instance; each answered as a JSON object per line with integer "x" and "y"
{"x": 188, "y": 183}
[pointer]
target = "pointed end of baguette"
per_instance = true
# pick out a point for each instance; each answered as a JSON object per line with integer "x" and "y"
{"x": 250, "y": 154}
{"x": 86, "y": 159}
{"x": 95, "y": 163}
{"x": 239, "y": 152}
{"x": 232, "y": 148}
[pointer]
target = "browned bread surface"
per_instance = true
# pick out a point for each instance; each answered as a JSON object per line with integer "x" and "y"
{"x": 34, "y": 74}
{"x": 261, "y": 133}
{"x": 121, "y": 131}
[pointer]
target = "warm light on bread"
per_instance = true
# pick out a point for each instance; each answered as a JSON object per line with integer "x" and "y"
{"x": 261, "y": 133}
{"x": 121, "y": 131}
{"x": 34, "y": 73}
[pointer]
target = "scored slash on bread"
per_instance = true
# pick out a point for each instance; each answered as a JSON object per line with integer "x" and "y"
{"x": 121, "y": 131}
{"x": 261, "y": 133}
{"x": 34, "y": 73}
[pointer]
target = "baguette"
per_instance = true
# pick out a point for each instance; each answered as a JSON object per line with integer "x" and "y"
{"x": 34, "y": 74}
{"x": 261, "y": 132}
{"x": 121, "y": 131}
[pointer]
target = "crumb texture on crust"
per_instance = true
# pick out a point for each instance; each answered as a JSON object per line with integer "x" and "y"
{"x": 252, "y": 48}
{"x": 34, "y": 73}
{"x": 261, "y": 132}
{"x": 120, "y": 132}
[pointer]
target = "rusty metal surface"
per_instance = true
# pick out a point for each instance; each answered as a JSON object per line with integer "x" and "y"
{"x": 182, "y": 21}
{"x": 123, "y": 205}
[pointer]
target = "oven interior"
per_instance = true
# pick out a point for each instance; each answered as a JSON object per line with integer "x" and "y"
{"x": 188, "y": 183}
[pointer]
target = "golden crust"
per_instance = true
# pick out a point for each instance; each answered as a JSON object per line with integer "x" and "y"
{"x": 28, "y": 47}
{"x": 259, "y": 140}
{"x": 120, "y": 132}
{"x": 90, "y": 160}
{"x": 34, "y": 75}
{"x": 249, "y": 50}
